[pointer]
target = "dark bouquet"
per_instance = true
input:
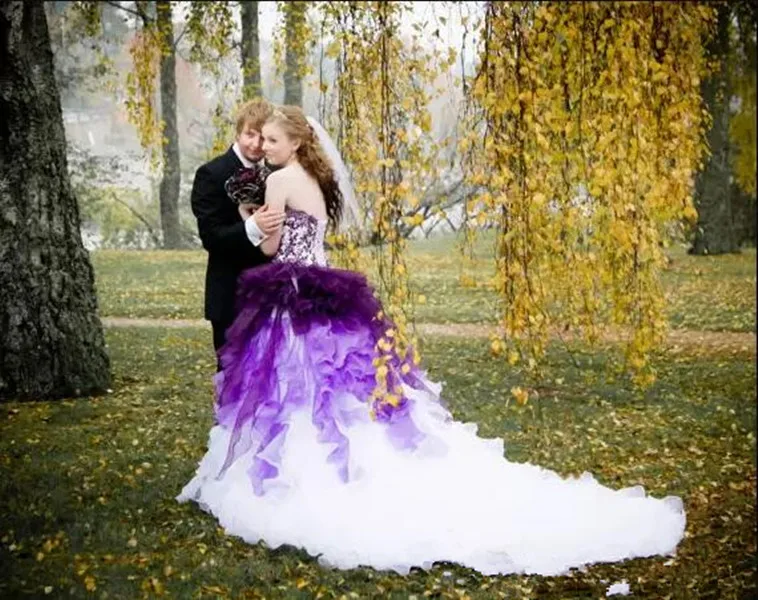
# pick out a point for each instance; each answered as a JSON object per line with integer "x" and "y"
{"x": 248, "y": 186}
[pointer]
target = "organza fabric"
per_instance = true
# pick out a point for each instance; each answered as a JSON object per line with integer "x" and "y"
{"x": 295, "y": 457}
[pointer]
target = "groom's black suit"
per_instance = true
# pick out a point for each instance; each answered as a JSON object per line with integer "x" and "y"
{"x": 223, "y": 235}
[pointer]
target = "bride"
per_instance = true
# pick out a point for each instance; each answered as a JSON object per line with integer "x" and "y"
{"x": 302, "y": 454}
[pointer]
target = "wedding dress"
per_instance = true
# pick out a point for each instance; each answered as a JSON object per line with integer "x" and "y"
{"x": 295, "y": 456}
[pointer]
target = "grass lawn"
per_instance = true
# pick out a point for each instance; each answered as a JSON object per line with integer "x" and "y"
{"x": 87, "y": 486}
{"x": 710, "y": 293}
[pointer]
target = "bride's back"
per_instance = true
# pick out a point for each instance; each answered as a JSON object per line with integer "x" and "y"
{"x": 303, "y": 191}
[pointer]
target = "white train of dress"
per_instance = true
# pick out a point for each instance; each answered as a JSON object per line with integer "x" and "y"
{"x": 451, "y": 497}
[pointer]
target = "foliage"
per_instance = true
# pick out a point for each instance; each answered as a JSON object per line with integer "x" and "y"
{"x": 586, "y": 128}
{"x": 224, "y": 128}
{"x": 293, "y": 44}
{"x": 83, "y": 70}
{"x": 145, "y": 50}
{"x": 214, "y": 21}
{"x": 152, "y": 47}
{"x": 145, "y": 47}
{"x": 87, "y": 486}
{"x": 209, "y": 29}
{"x": 583, "y": 136}
{"x": 250, "y": 54}
{"x": 381, "y": 126}
{"x": 115, "y": 211}
{"x": 742, "y": 125}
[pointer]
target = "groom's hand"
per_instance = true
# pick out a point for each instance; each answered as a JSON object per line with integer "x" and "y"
{"x": 268, "y": 219}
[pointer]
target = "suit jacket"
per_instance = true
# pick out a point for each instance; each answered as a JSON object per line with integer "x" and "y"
{"x": 223, "y": 235}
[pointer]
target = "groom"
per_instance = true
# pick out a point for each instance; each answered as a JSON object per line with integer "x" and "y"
{"x": 231, "y": 234}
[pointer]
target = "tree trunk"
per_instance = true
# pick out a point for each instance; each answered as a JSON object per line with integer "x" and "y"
{"x": 744, "y": 195}
{"x": 716, "y": 232}
{"x": 169, "y": 187}
{"x": 294, "y": 19}
{"x": 51, "y": 339}
{"x": 251, "y": 63}
{"x": 744, "y": 216}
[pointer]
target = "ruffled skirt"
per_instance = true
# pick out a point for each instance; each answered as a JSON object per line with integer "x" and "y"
{"x": 296, "y": 458}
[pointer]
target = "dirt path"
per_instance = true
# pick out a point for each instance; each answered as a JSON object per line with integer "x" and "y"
{"x": 707, "y": 341}
{"x": 677, "y": 339}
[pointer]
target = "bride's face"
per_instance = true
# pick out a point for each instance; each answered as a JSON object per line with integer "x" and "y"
{"x": 278, "y": 147}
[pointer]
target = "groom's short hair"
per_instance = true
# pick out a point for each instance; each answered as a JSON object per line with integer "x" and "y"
{"x": 253, "y": 113}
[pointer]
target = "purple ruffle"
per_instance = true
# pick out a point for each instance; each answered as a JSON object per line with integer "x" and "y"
{"x": 334, "y": 313}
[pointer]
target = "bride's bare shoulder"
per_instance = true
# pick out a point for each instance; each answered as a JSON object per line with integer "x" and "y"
{"x": 285, "y": 176}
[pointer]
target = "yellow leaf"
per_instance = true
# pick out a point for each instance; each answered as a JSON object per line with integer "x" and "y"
{"x": 156, "y": 586}
{"x": 521, "y": 395}
{"x": 690, "y": 213}
{"x": 392, "y": 399}
{"x": 415, "y": 220}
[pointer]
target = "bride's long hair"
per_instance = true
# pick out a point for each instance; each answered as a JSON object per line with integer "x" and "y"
{"x": 311, "y": 156}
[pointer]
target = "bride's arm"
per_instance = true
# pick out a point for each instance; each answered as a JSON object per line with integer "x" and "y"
{"x": 276, "y": 197}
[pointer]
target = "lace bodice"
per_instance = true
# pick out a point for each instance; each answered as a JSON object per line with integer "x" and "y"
{"x": 302, "y": 239}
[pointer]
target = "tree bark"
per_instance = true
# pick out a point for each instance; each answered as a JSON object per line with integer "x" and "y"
{"x": 745, "y": 202}
{"x": 51, "y": 339}
{"x": 250, "y": 55}
{"x": 171, "y": 179}
{"x": 744, "y": 216}
{"x": 716, "y": 232}
{"x": 294, "y": 19}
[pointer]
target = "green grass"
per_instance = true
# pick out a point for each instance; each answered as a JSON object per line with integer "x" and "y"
{"x": 707, "y": 293}
{"x": 159, "y": 284}
{"x": 87, "y": 486}
{"x": 712, "y": 292}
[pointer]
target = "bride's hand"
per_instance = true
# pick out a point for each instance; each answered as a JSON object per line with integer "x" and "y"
{"x": 268, "y": 219}
{"x": 246, "y": 210}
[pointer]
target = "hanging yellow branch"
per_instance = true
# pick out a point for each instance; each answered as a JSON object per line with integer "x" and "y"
{"x": 145, "y": 50}
{"x": 593, "y": 133}
{"x": 382, "y": 126}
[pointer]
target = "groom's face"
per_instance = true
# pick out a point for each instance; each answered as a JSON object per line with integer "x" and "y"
{"x": 250, "y": 142}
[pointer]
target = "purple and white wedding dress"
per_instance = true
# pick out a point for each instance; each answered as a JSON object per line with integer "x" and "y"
{"x": 295, "y": 457}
